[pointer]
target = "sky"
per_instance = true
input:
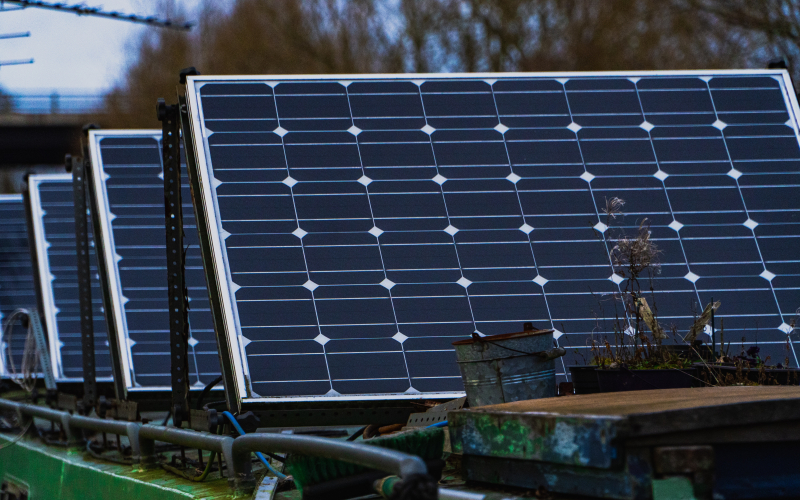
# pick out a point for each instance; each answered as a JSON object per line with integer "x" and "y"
{"x": 73, "y": 54}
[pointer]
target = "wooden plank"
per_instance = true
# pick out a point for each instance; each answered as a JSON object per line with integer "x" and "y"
{"x": 640, "y": 402}
{"x": 589, "y": 430}
{"x": 667, "y": 410}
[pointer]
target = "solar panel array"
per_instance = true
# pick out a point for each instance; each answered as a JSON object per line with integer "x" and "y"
{"x": 129, "y": 188}
{"x": 16, "y": 277}
{"x": 365, "y": 223}
{"x": 53, "y": 214}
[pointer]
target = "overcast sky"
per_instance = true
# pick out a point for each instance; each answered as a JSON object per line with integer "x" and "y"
{"x": 71, "y": 52}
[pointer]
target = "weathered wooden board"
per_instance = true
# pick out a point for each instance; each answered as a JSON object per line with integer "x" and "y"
{"x": 589, "y": 430}
{"x": 642, "y": 402}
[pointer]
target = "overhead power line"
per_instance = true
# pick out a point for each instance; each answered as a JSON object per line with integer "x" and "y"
{"x": 84, "y": 10}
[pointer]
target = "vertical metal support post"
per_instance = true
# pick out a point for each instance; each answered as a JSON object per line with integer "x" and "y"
{"x": 178, "y": 311}
{"x": 44, "y": 352}
{"x": 223, "y": 348}
{"x": 78, "y": 168}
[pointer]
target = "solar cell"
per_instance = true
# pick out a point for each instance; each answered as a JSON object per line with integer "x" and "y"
{"x": 363, "y": 223}
{"x": 16, "y": 277}
{"x": 53, "y": 220}
{"x": 129, "y": 193}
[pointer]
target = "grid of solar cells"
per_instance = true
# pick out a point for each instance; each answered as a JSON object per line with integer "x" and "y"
{"x": 130, "y": 166}
{"x": 368, "y": 223}
{"x": 54, "y": 224}
{"x": 16, "y": 276}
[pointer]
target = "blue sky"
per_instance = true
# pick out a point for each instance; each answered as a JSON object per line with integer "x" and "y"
{"x": 72, "y": 53}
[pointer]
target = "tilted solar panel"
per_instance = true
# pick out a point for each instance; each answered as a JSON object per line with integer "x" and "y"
{"x": 16, "y": 277}
{"x": 363, "y": 223}
{"x": 129, "y": 191}
{"x": 53, "y": 218}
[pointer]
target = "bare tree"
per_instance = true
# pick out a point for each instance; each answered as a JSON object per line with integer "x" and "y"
{"x": 775, "y": 25}
{"x": 365, "y": 36}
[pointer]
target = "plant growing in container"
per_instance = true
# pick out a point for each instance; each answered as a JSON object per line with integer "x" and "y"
{"x": 637, "y": 360}
{"x": 747, "y": 367}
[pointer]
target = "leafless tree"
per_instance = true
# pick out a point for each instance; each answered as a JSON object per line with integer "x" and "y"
{"x": 364, "y": 36}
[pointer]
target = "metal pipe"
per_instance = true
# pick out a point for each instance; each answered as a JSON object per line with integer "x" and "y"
{"x": 129, "y": 429}
{"x": 374, "y": 457}
{"x": 29, "y": 410}
{"x": 149, "y": 434}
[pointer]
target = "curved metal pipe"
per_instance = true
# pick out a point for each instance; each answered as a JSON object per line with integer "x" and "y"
{"x": 149, "y": 434}
{"x": 129, "y": 429}
{"x": 63, "y": 418}
{"x": 374, "y": 457}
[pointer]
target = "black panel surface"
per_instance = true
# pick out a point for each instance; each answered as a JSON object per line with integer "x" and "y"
{"x": 366, "y": 224}
{"x": 59, "y": 271}
{"x": 130, "y": 165}
{"x": 16, "y": 276}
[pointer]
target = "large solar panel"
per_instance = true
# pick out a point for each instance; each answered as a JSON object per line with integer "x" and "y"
{"x": 129, "y": 191}
{"x": 361, "y": 224}
{"x": 16, "y": 276}
{"x": 53, "y": 219}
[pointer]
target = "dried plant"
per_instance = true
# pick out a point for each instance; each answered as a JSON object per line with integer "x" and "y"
{"x": 613, "y": 208}
{"x": 632, "y": 257}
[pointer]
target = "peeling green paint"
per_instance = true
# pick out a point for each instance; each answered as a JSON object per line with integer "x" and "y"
{"x": 50, "y": 472}
{"x": 570, "y": 440}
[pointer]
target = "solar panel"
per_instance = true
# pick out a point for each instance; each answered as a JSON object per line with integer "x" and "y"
{"x": 361, "y": 224}
{"x": 16, "y": 276}
{"x": 53, "y": 220}
{"x": 129, "y": 194}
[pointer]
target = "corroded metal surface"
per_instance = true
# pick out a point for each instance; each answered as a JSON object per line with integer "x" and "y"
{"x": 586, "y": 441}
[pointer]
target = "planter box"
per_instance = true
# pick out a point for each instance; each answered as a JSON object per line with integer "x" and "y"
{"x": 617, "y": 380}
{"x": 775, "y": 376}
{"x": 584, "y": 379}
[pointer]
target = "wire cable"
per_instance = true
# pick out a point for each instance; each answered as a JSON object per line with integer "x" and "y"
{"x": 205, "y": 392}
{"x": 201, "y": 477}
{"x": 17, "y": 438}
{"x": 30, "y": 354}
{"x": 241, "y": 432}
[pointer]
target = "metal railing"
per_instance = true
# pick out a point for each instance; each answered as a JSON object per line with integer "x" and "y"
{"x": 39, "y": 103}
{"x": 236, "y": 452}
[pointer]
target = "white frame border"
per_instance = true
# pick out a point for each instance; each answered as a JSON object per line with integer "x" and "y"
{"x": 205, "y": 173}
{"x": 46, "y": 277}
{"x": 109, "y": 249}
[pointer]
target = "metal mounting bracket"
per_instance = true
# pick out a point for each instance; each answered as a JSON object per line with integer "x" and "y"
{"x": 178, "y": 294}
{"x": 78, "y": 168}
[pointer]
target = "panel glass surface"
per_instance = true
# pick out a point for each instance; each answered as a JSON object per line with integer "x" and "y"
{"x": 16, "y": 278}
{"x": 364, "y": 224}
{"x": 130, "y": 190}
{"x": 53, "y": 213}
